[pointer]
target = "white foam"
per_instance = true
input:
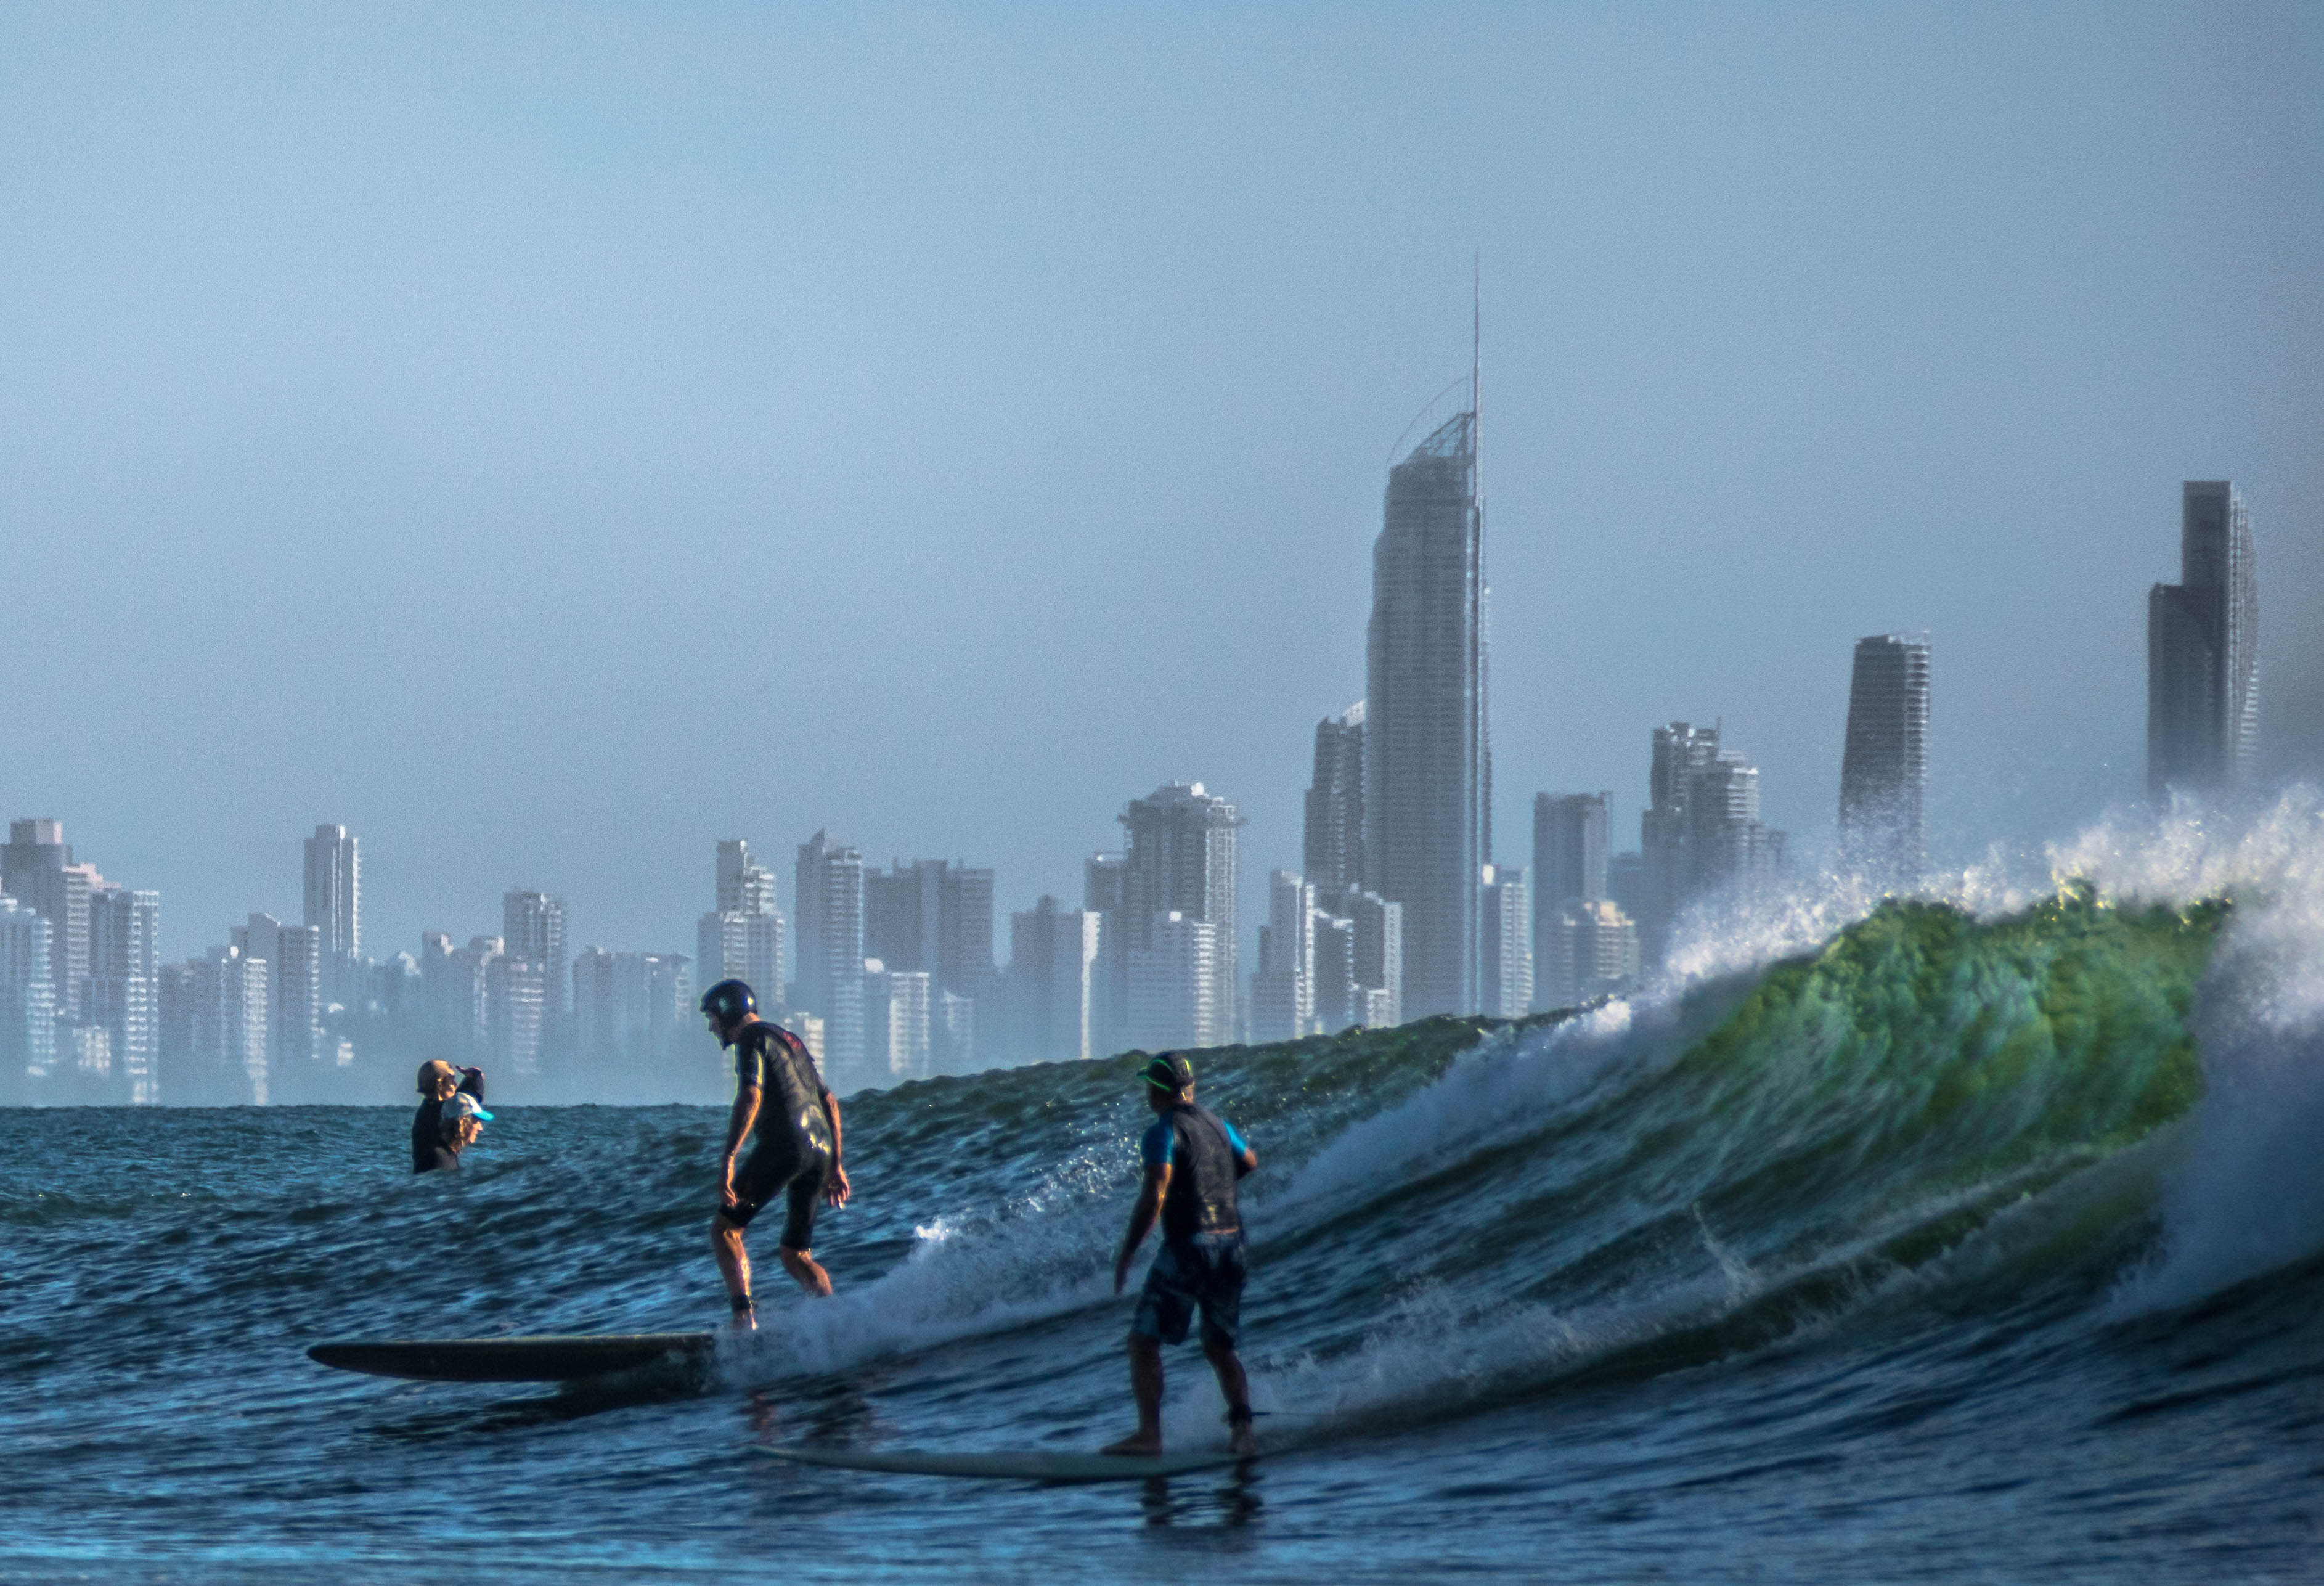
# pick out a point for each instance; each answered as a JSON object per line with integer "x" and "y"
{"x": 2250, "y": 1198}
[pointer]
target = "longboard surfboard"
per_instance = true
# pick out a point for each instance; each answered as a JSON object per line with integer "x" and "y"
{"x": 1017, "y": 1465}
{"x": 552, "y": 1356}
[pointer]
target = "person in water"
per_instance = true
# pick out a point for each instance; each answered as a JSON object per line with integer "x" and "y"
{"x": 438, "y": 1083}
{"x": 463, "y": 1121}
{"x": 1194, "y": 1160}
{"x": 778, "y": 1090}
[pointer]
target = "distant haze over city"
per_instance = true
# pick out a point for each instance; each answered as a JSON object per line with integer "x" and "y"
{"x": 547, "y": 442}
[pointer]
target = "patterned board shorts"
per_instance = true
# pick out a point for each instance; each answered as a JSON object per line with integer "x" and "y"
{"x": 1204, "y": 1273}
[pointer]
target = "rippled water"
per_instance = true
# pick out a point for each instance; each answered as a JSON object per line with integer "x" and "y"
{"x": 1957, "y": 1248}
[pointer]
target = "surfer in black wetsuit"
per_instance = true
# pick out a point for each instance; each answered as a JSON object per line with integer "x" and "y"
{"x": 1194, "y": 1160}
{"x": 778, "y": 1089}
{"x": 438, "y": 1083}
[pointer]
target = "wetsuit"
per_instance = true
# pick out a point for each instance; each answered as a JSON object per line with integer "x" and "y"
{"x": 793, "y": 1146}
{"x": 427, "y": 1148}
{"x": 1201, "y": 1263}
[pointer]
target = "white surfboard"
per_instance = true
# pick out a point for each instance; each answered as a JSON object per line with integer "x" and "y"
{"x": 1009, "y": 1465}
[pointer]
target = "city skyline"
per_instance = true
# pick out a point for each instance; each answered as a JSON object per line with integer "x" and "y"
{"x": 1737, "y": 426}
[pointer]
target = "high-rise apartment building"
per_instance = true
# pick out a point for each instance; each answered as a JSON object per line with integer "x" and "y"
{"x": 1570, "y": 847}
{"x": 1105, "y": 892}
{"x": 533, "y": 931}
{"x": 1283, "y": 987}
{"x": 1377, "y": 937}
{"x": 1054, "y": 980}
{"x": 1334, "y": 838}
{"x": 125, "y": 987}
{"x": 1680, "y": 752}
{"x": 1702, "y": 831}
{"x": 934, "y": 918}
{"x": 1571, "y": 834}
{"x": 1337, "y": 997}
{"x": 1884, "y": 767}
{"x": 1427, "y": 747}
{"x": 1505, "y": 943}
{"x": 292, "y": 955}
{"x": 1183, "y": 859}
{"x": 744, "y": 885}
{"x": 37, "y": 869}
{"x": 28, "y": 1002}
{"x": 516, "y": 1011}
{"x": 897, "y": 1023}
{"x": 829, "y": 897}
{"x": 333, "y": 906}
{"x": 744, "y": 937}
{"x": 1180, "y": 994}
{"x": 1589, "y": 950}
{"x": 2202, "y": 649}
{"x": 229, "y": 1035}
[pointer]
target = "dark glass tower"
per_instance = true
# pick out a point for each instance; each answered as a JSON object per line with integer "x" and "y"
{"x": 2202, "y": 649}
{"x": 1884, "y": 768}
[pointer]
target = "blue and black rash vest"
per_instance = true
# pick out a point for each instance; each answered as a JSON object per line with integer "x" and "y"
{"x": 1204, "y": 1155}
{"x": 790, "y": 1089}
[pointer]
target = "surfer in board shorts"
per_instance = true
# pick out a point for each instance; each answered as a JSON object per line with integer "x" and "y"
{"x": 1194, "y": 1159}
{"x": 778, "y": 1090}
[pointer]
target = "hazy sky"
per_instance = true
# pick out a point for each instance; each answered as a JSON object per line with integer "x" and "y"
{"x": 548, "y": 440}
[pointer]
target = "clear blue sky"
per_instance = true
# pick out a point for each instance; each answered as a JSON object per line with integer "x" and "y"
{"x": 551, "y": 439}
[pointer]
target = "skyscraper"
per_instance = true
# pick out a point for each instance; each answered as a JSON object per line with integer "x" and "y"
{"x": 334, "y": 896}
{"x": 1335, "y": 803}
{"x": 1505, "y": 943}
{"x": 533, "y": 931}
{"x": 2202, "y": 649}
{"x": 934, "y": 918}
{"x": 1703, "y": 833}
{"x": 28, "y": 1003}
{"x": 1054, "y": 978}
{"x": 1569, "y": 843}
{"x": 1427, "y": 749}
{"x": 1283, "y": 987}
{"x": 1179, "y": 994}
{"x": 1570, "y": 832}
{"x": 1884, "y": 768}
{"x": 744, "y": 885}
{"x": 829, "y": 897}
{"x": 37, "y": 869}
{"x": 1105, "y": 892}
{"x": 124, "y": 982}
{"x": 742, "y": 937}
{"x": 1665, "y": 877}
{"x": 1183, "y": 859}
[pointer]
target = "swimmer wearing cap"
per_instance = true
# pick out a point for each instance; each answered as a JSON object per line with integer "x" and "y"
{"x": 439, "y": 1084}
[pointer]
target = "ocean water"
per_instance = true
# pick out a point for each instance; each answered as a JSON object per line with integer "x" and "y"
{"x": 1979, "y": 1240}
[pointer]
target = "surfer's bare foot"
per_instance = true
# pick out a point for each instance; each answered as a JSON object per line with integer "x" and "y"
{"x": 1242, "y": 1440}
{"x": 1137, "y": 1444}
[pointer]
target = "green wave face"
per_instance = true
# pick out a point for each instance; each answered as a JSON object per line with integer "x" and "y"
{"x": 1924, "y": 1051}
{"x": 1459, "y": 1210}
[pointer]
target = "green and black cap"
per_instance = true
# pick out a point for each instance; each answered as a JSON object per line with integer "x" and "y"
{"x": 1168, "y": 1071}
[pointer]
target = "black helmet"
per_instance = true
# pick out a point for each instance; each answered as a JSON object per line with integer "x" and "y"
{"x": 728, "y": 1002}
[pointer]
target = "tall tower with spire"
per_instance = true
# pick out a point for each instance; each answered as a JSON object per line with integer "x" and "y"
{"x": 1427, "y": 748}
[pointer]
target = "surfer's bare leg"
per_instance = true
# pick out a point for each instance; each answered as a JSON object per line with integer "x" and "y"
{"x": 1235, "y": 1389}
{"x": 734, "y": 1263}
{"x": 801, "y": 1264}
{"x": 1146, "y": 1387}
